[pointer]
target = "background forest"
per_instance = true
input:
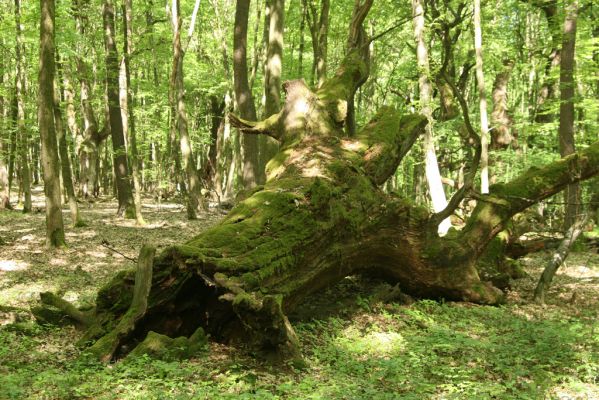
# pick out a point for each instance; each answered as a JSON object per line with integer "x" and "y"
{"x": 139, "y": 116}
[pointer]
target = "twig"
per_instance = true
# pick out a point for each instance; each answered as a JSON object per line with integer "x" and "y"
{"x": 105, "y": 244}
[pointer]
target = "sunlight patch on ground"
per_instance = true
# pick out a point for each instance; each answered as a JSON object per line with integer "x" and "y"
{"x": 59, "y": 261}
{"x": 374, "y": 343}
{"x": 97, "y": 254}
{"x": 13, "y": 265}
{"x": 24, "y": 293}
{"x": 81, "y": 234}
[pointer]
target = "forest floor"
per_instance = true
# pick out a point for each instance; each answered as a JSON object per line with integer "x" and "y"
{"x": 355, "y": 347}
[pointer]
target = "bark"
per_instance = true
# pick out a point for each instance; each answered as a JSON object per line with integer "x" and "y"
{"x": 120, "y": 164}
{"x": 23, "y": 136}
{"x": 548, "y": 89}
{"x": 4, "y": 146}
{"x": 274, "y": 58}
{"x": 180, "y": 115}
{"x": 272, "y": 74}
{"x": 321, "y": 216}
{"x": 63, "y": 150}
{"x": 318, "y": 22}
{"x": 209, "y": 173}
{"x": 558, "y": 258}
{"x": 252, "y": 174}
{"x": 566, "y": 110}
{"x": 88, "y": 140}
{"x": 480, "y": 79}
{"x": 50, "y": 161}
{"x": 433, "y": 176}
{"x": 127, "y": 111}
{"x": 503, "y": 133}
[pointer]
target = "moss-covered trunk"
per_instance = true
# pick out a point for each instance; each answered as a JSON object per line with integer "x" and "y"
{"x": 320, "y": 217}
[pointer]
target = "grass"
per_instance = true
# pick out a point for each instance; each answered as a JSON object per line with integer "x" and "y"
{"x": 427, "y": 350}
{"x": 354, "y": 347}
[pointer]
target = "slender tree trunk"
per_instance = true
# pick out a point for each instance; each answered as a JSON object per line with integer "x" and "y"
{"x": 258, "y": 45}
{"x": 302, "y": 42}
{"x": 121, "y": 168}
{"x": 50, "y": 162}
{"x": 566, "y": 110}
{"x": 548, "y": 90}
{"x": 503, "y": 133}
{"x": 252, "y": 173}
{"x": 319, "y": 30}
{"x": 90, "y": 139}
{"x": 433, "y": 176}
{"x": 193, "y": 183}
{"x": 4, "y": 145}
{"x": 129, "y": 121}
{"x": 35, "y": 162}
{"x": 558, "y": 258}
{"x": 22, "y": 130}
{"x": 480, "y": 80}
{"x": 12, "y": 150}
{"x": 272, "y": 75}
{"x": 63, "y": 149}
{"x": 274, "y": 59}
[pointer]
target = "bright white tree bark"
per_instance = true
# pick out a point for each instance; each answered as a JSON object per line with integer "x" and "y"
{"x": 480, "y": 79}
{"x": 433, "y": 176}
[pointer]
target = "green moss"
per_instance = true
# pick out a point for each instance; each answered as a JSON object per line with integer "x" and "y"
{"x": 117, "y": 294}
{"x": 162, "y": 347}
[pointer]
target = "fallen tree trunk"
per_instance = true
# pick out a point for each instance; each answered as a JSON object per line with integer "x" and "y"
{"x": 320, "y": 217}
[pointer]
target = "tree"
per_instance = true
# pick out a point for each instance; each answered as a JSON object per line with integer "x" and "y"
{"x": 504, "y": 133}
{"x": 23, "y": 136}
{"x": 319, "y": 30}
{"x": 180, "y": 115}
{"x": 274, "y": 58}
{"x": 127, "y": 103}
{"x": 121, "y": 167}
{"x": 320, "y": 216}
{"x": 433, "y": 176}
{"x": 50, "y": 161}
{"x": 566, "y": 110}
{"x": 252, "y": 173}
{"x": 480, "y": 80}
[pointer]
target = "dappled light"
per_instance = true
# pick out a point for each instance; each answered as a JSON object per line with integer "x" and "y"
{"x": 301, "y": 199}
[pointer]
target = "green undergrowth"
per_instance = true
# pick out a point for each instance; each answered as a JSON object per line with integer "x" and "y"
{"x": 429, "y": 350}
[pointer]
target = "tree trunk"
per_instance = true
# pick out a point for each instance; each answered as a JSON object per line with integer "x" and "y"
{"x": 566, "y": 110}
{"x": 50, "y": 161}
{"x": 503, "y": 133}
{"x": 252, "y": 174}
{"x": 178, "y": 106}
{"x": 63, "y": 150}
{"x": 4, "y": 145}
{"x": 319, "y": 30}
{"x": 129, "y": 121}
{"x": 121, "y": 168}
{"x": 480, "y": 80}
{"x": 548, "y": 89}
{"x": 321, "y": 216}
{"x": 23, "y": 136}
{"x": 433, "y": 176}
{"x": 90, "y": 140}
{"x": 272, "y": 75}
{"x": 558, "y": 258}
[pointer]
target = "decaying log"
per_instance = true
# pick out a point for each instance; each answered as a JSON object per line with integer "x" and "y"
{"x": 106, "y": 346}
{"x": 320, "y": 217}
{"x": 55, "y": 308}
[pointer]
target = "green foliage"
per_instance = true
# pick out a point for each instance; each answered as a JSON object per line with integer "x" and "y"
{"x": 428, "y": 350}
